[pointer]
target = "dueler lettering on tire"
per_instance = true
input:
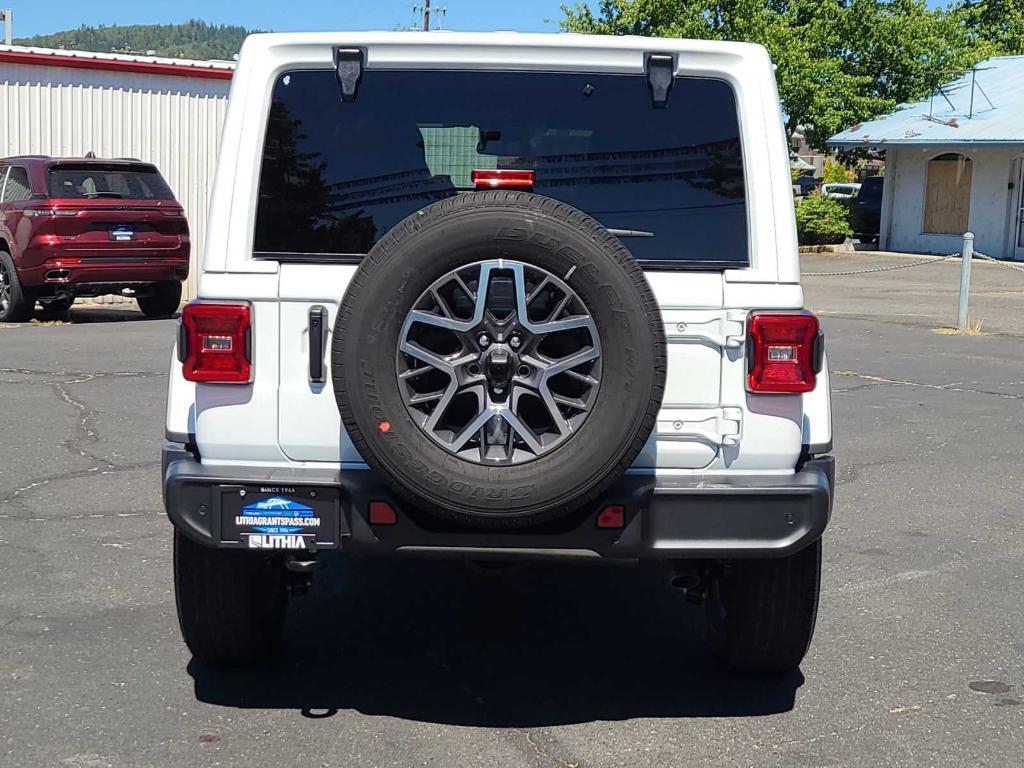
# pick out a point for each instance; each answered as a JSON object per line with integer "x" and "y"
{"x": 499, "y": 358}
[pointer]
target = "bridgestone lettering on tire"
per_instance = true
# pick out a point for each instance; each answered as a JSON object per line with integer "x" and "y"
{"x": 514, "y": 404}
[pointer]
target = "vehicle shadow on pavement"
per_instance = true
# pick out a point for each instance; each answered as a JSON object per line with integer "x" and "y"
{"x": 545, "y": 644}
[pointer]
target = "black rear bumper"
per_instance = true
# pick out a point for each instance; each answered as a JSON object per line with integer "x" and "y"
{"x": 749, "y": 516}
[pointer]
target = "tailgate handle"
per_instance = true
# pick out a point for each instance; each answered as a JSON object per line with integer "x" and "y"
{"x": 317, "y": 339}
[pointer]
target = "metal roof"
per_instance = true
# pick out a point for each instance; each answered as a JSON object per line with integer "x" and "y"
{"x": 947, "y": 117}
{"x": 121, "y": 62}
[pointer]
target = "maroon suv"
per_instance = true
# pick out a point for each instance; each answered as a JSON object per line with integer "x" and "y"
{"x": 88, "y": 227}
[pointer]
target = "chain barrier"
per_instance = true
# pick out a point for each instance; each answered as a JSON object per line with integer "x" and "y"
{"x": 922, "y": 262}
{"x": 1000, "y": 262}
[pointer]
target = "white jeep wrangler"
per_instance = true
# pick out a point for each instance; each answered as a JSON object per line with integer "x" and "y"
{"x": 501, "y": 295}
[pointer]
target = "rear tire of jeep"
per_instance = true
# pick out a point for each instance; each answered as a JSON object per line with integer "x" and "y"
{"x": 761, "y": 613}
{"x": 16, "y": 304}
{"x": 231, "y": 604}
{"x": 162, "y": 301}
{"x": 519, "y": 238}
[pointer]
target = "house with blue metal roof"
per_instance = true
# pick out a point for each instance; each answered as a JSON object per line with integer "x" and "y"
{"x": 953, "y": 163}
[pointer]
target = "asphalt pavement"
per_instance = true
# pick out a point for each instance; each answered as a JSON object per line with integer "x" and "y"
{"x": 918, "y": 658}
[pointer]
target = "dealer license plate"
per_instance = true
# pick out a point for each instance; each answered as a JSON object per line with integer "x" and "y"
{"x": 280, "y": 517}
{"x": 122, "y": 233}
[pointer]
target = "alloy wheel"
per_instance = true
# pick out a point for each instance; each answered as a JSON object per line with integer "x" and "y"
{"x": 499, "y": 362}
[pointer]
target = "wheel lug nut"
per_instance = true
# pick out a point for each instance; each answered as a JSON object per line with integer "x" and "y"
{"x": 523, "y": 370}
{"x": 483, "y": 340}
{"x": 514, "y": 342}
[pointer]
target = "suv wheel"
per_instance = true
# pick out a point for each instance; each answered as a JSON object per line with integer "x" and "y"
{"x": 231, "y": 603}
{"x": 162, "y": 300}
{"x": 761, "y": 613}
{"x": 500, "y": 358}
{"x": 16, "y": 304}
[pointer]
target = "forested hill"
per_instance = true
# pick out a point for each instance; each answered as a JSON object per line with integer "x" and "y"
{"x": 192, "y": 40}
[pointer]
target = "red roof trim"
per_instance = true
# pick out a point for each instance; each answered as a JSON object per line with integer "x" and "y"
{"x": 115, "y": 65}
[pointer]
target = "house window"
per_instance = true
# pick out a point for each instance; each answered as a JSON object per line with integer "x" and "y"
{"x": 947, "y": 197}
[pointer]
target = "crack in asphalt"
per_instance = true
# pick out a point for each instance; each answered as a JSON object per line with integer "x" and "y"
{"x": 82, "y": 375}
{"x": 111, "y": 469}
{"x": 537, "y": 750}
{"x": 953, "y": 387}
{"x": 85, "y": 433}
{"x": 92, "y": 516}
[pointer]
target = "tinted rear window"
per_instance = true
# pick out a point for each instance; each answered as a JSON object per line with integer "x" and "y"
{"x": 96, "y": 181}
{"x": 336, "y": 176}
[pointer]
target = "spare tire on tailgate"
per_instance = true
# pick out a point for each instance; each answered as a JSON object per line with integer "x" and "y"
{"x": 499, "y": 358}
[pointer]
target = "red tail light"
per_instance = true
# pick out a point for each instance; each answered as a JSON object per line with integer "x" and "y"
{"x": 492, "y": 178}
{"x": 783, "y": 352}
{"x": 215, "y": 341}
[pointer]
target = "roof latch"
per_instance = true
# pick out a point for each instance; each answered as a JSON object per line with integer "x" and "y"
{"x": 660, "y": 74}
{"x": 349, "y": 63}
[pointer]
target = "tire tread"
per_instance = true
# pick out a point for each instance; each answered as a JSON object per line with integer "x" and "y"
{"x": 231, "y": 604}
{"x": 526, "y": 203}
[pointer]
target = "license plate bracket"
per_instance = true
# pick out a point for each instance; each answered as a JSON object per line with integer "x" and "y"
{"x": 282, "y": 517}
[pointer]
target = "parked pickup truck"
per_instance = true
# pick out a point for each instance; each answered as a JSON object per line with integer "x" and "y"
{"x": 506, "y": 296}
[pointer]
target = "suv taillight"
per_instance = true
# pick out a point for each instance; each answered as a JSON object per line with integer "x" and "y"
{"x": 783, "y": 352}
{"x": 215, "y": 341}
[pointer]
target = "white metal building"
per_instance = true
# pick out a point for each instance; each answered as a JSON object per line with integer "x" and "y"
{"x": 954, "y": 163}
{"x": 165, "y": 111}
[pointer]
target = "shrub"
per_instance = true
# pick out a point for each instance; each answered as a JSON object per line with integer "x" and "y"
{"x": 835, "y": 172}
{"x": 821, "y": 220}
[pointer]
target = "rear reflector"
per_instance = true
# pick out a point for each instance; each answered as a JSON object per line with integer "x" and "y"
{"x": 503, "y": 179}
{"x": 382, "y": 513}
{"x": 781, "y": 352}
{"x": 216, "y": 338}
{"x": 612, "y": 516}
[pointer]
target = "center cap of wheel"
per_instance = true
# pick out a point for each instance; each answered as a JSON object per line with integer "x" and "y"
{"x": 499, "y": 362}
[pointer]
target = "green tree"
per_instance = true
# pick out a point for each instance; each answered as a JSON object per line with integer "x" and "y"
{"x": 838, "y": 61}
{"x": 997, "y": 22}
{"x": 192, "y": 40}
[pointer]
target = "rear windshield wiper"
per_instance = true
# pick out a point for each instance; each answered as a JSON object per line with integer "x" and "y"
{"x": 116, "y": 195}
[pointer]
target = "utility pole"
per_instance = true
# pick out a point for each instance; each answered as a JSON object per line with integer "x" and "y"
{"x": 8, "y": 18}
{"x": 425, "y": 11}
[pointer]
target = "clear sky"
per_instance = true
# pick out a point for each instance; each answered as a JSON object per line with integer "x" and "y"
{"x": 33, "y": 17}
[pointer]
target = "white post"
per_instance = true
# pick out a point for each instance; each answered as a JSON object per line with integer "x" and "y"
{"x": 965, "y": 280}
